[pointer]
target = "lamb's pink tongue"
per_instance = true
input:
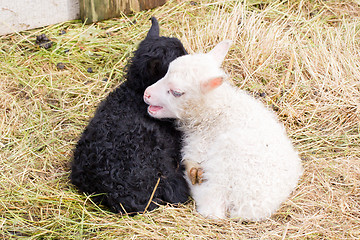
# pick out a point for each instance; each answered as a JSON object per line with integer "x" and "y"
{"x": 154, "y": 108}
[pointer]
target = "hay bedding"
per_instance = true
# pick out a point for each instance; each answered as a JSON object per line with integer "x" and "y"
{"x": 300, "y": 58}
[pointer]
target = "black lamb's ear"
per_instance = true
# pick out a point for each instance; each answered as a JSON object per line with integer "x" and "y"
{"x": 154, "y": 30}
{"x": 154, "y": 67}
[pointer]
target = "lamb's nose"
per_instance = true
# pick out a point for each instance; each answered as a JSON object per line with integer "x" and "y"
{"x": 146, "y": 96}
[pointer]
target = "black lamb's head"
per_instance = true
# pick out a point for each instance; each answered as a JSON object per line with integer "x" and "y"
{"x": 152, "y": 58}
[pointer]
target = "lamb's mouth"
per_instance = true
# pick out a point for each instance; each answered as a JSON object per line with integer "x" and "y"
{"x": 152, "y": 109}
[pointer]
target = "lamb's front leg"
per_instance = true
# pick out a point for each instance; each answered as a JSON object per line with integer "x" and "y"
{"x": 194, "y": 171}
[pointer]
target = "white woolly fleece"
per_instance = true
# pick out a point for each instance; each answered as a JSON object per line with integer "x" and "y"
{"x": 249, "y": 164}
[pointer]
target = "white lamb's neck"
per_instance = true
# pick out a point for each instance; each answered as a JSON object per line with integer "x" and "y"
{"x": 207, "y": 111}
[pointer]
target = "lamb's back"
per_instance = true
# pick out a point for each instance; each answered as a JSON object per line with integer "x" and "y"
{"x": 245, "y": 152}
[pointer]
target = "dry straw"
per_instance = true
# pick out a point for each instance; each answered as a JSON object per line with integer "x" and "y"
{"x": 301, "y": 58}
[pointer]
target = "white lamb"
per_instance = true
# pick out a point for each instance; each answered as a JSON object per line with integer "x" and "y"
{"x": 231, "y": 141}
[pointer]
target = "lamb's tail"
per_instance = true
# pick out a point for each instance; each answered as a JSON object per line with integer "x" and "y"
{"x": 154, "y": 30}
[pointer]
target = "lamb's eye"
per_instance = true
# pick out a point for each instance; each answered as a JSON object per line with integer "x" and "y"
{"x": 176, "y": 93}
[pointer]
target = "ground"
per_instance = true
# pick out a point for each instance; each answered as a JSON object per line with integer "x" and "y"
{"x": 300, "y": 58}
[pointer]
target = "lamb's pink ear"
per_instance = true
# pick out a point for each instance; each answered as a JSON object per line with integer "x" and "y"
{"x": 211, "y": 84}
{"x": 219, "y": 51}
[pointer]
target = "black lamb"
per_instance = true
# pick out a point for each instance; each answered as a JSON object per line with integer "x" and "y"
{"x": 123, "y": 152}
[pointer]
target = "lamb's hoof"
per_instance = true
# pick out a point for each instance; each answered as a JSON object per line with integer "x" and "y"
{"x": 196, "y": 175}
